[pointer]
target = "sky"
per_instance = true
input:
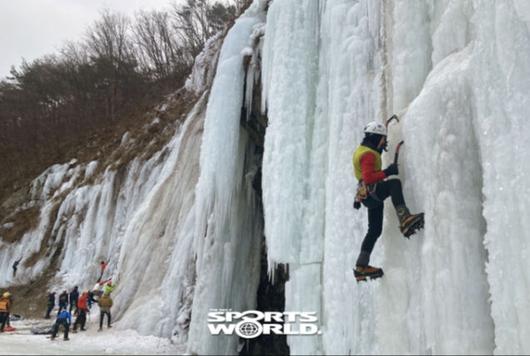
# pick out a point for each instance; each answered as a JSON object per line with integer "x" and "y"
{"x": 32, "y": 28}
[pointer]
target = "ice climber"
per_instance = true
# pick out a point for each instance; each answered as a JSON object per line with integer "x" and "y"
{"x": 15, "y": 266}
{"x": 372, "y": 190}
{"x": 102, "y": 267}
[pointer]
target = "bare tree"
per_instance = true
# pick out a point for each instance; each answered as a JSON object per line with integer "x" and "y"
{"x": 119, "y": 67}
{"x": 157, "y": 47}
{"x": 109, "y": 38}
{"x": 191, "y": 25}
{"x": 110, "y": 48}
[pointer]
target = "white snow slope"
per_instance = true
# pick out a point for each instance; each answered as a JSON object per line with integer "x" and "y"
{"x": 183, "y": 230}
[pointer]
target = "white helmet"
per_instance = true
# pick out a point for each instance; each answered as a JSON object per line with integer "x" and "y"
{"x": 375, "y": 128}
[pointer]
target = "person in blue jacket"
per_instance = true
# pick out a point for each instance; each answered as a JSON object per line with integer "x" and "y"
{"x": 64, "y": 318}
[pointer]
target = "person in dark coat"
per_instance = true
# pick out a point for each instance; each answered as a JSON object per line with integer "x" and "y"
{"x": 91, "y": 299}
{"x": 74, "y": 296}
{"x": 51, "y": 304}
{"x": 15, "y": 266}
{"x": 63, "y": 300}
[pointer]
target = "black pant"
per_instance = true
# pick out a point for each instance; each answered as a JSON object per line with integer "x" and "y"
{"x": 56, "y": 326}
{"x": 3, "y": 320}
{"x": 73, "y": 305}
{"x": 375, "y": 206}
{"x": 50, "y": 308}
{"x": 101, "y": 315}
{"x": 81, "y": 319}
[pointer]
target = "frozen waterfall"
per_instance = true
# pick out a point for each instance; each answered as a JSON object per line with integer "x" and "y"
{"x": 184, "y": 229}
{"x": 454, "y": 72}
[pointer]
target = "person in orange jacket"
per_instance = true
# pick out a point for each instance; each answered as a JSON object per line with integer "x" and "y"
{"x": 5, "y": 304}
{"x": 82, "y": 310}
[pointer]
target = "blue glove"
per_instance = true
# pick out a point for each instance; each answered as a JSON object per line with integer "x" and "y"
{"x": 391, "y": 170}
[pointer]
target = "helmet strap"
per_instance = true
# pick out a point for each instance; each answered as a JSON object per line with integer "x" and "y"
{"x": 383, "y": 146}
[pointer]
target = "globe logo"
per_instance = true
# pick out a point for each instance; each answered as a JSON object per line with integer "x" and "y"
{"x": 248, "y": 329}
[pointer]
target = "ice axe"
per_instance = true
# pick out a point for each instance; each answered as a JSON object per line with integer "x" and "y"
{"x": 396, "y": 155}
{"x": 393, "y": 117}
{"x": 387, "y": 122}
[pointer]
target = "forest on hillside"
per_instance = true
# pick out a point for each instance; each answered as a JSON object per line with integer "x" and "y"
{"x": 120, "y": 68}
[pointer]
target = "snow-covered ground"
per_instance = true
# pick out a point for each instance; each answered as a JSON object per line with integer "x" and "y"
{"x": 90, "y": 342}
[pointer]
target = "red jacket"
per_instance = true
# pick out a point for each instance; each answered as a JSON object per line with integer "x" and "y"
{"x": 370, "y": 175}
{"x": 82, "y": 302}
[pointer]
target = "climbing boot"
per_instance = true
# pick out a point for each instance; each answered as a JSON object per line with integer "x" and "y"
{"x": 362, "y": 273}
{"x": 409, "y": 223}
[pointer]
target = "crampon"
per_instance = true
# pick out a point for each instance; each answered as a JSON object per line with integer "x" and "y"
{"x": 368, "y": 272}
{"x": 414, "y": 223}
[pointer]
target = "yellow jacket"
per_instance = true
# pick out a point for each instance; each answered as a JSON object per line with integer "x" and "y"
{"x": 367, "y": 165}
{"x": 4, "y": 305}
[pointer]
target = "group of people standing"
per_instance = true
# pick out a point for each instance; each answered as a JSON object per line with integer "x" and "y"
{"x": 81, "y": 305}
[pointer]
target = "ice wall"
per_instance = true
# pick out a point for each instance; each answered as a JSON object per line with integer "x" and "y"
{"x": 454, "y": 71}
{"x": 289, "y": 71}
{"x": 499, "y": 69}
{"x": 138, "y": 216}
{"x": 182, "y": 231}
{"x": 228, "y": 226}
{"x": 290, "y": 58}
